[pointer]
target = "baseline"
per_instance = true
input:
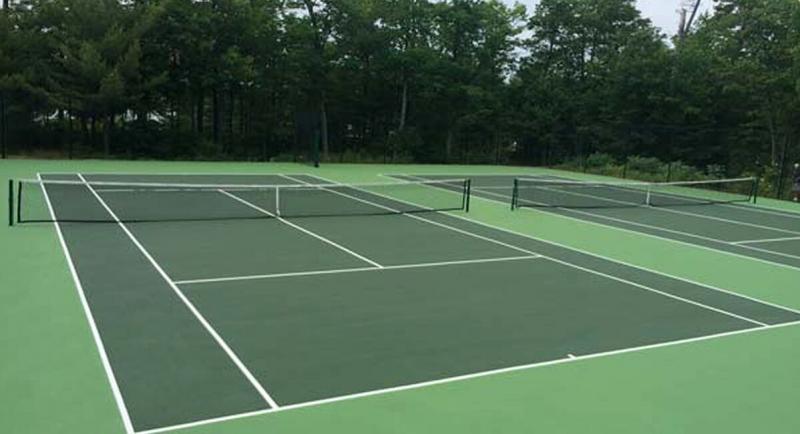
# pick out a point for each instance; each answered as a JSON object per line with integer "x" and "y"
{"x": 569, "y": 359}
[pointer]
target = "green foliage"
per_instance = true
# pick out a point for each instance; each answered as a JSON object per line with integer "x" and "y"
{"x": 599, "y": 159}
{"x": 590, "y": 84}
{"x": 645, "y": 164}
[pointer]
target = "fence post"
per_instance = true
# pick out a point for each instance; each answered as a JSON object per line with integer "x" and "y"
{"x": 11, "y": 202}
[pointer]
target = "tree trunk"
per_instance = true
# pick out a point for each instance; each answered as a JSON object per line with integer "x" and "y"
{"x": 215, "y": 125}
{"x": 92, "y": 132}
{"x": 3, "y": 137}
{"x": 193, "y": 115}
{"x": 323, "y": 121}
{"x": 107, "y": 135}
{"x": 231, "y": 113}
{"x": 69, "y": 117}
{"x": 773, "y": 141}
{"x": 403, "y": 106}
{"x": 244, "y": 115}
{"x": 85, "y": 131}
{"x": 59, "y": 130}
{"x": 201, "y": 108}
{"x": 448, "y": 145}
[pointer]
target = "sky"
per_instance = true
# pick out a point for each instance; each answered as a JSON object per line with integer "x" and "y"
{"x": 663, "y": 13}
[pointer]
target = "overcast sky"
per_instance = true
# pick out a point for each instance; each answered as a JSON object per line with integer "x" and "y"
{"x": 663, "y": 13}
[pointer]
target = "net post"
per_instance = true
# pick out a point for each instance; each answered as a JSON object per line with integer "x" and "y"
{"x": 11, "y": 202}
{"x": 514, "y": 193}
{"x": 277, "y": 201}
{"x": 464, "y": 194}
{"x": 315, "y": 148}
{"x": 19, "y": 201}
{"x": 468, "y": 188}
{"x": 648, "y": 198}
{"x": 754, "y": 190}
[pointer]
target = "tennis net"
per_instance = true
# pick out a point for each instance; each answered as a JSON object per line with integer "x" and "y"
{"x": 78, "y": 201}
{"x": 533, "y": 192}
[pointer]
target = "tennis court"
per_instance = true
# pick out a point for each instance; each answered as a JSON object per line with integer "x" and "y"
{"x": 235, "y": 295}
{"x": 733, "y": 225}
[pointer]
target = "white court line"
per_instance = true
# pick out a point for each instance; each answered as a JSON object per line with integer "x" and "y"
{"x": 302, "y": 229}
{"x": 495, "y": 187}
{"x": 101, "y": 349}
{"x": 688, "y": 234}
{"x": 766, "y": 240}
{"x": 356, "y": 270}
{"x": 468, "y": 174}
{"x": 616, "y": 261}
{"x": 766, "y": 209}
{"x": 568, "y": 264}
{"x": 221, "y": 342}
{"x": 468, "y": 377}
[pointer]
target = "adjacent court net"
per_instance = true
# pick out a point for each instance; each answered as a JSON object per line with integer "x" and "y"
{"x": 533, "y": 192}
{"x": 77, "y": 201}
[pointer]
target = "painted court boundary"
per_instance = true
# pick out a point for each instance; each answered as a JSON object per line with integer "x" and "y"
{"x": 126, "y": 418}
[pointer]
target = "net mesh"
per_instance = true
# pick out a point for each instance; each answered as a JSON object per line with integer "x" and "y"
{"x": 531, "y": 192}
{"x": 77, "y": 201}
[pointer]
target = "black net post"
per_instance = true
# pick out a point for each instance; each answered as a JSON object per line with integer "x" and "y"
{"x": 464, "y": 195}
{"x": 514, "y": 193}
{"x": 11, "y": 202}
{"x": 19, "y": 202}
{"x": 315, "y": 148}
{"x": 468, "y": 187}
{"x": 755, "y": 190}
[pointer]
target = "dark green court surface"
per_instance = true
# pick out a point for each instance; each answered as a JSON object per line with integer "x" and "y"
{"x": 275, "y": 299}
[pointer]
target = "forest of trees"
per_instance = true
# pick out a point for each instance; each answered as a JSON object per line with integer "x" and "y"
{"x": 466, "y": 81}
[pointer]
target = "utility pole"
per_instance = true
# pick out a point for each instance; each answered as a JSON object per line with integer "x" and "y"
{"x": 682, "y": 24}
{"x": 685, "y": 24}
